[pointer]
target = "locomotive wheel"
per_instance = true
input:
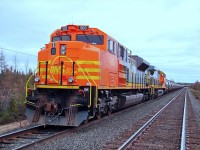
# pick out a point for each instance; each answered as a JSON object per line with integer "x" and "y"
{"x": 98, "y": 115}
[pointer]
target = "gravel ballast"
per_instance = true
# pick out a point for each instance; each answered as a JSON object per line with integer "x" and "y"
{"x": 196, "y": 106}
{"x": 97, "y": 135}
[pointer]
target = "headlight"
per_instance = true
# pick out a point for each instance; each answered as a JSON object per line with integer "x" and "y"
{"x": 37, "y": 79}
{"x": 70, "y": 80}
{"x": 63, "y": 49}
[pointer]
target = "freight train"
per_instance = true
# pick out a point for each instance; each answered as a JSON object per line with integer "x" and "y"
{"x": 84, "y": 73}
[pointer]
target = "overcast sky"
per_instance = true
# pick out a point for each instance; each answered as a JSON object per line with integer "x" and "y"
{"x": 166, "y": 33}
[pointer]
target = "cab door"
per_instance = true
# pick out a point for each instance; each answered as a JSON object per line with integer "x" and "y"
{"x": 54, "y": 71}
{"x": 54, "y": 66}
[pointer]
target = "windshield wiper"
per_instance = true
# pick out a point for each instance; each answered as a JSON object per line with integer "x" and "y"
{"x": 86, "y": 35}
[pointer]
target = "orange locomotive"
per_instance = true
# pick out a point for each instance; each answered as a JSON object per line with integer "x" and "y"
{"x": 83, "y": 72}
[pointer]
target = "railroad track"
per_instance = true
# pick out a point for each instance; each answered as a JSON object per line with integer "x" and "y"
{"x": 169, "y": 128}
{"x": 192, "y": 129}
{"x": 160, "y": 125}
{"x": 26, "y": 138}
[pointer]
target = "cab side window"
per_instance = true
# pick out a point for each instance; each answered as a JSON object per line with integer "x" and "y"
{"x": 111, "y": 46}
{"x": 121, "y": 51}
{"x": 125, "y": 54}
{"x": 128, "y": 55}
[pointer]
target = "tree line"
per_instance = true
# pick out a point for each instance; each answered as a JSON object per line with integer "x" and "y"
{"x": 12, "y": 91}
{"x": 196, "y": 86}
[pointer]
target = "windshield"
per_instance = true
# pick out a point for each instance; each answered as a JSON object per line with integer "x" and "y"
{"x": 61, "y": 38}
{"x": 92, "y": 39}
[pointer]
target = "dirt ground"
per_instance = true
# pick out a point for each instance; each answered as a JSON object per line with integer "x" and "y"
{"x": 12, "y": 126}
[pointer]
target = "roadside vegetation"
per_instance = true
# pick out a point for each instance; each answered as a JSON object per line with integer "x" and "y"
{"x": 195, "y": 88}
{"x": 12, "y": 92}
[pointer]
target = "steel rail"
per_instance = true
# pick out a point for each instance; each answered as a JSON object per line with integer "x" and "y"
{"x": 183, "y": 137}
{"x": 138, "y": 132}
{"x": 42, "y": 140}
{"x": 16, "y": 133}
{"x": 30, "y": 144}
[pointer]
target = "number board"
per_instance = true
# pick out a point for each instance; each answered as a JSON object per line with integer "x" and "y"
{"x": 83, "y": 27}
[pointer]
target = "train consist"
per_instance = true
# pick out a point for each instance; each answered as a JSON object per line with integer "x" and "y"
{"x": 84, "y": 73}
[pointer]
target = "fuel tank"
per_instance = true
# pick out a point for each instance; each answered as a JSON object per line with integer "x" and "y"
{"x": 126, "y": 99}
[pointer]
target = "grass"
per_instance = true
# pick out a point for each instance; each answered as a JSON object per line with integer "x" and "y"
{"x": 195, "y": 89}
{"x": 196, "y": 93}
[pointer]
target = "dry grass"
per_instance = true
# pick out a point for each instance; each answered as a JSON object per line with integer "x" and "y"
{"x": 196, "y": 93}
{"x": 195, "y": 88}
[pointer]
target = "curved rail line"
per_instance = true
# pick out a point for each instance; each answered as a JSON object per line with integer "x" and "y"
{"x": 138, "y": 132}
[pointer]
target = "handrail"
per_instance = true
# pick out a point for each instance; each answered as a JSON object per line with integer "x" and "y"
{"x": 30, "y": 79}
{"x": 94, "y": 84}
{"x": 86, "y": 79}
{"x": 28, "y": 82}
